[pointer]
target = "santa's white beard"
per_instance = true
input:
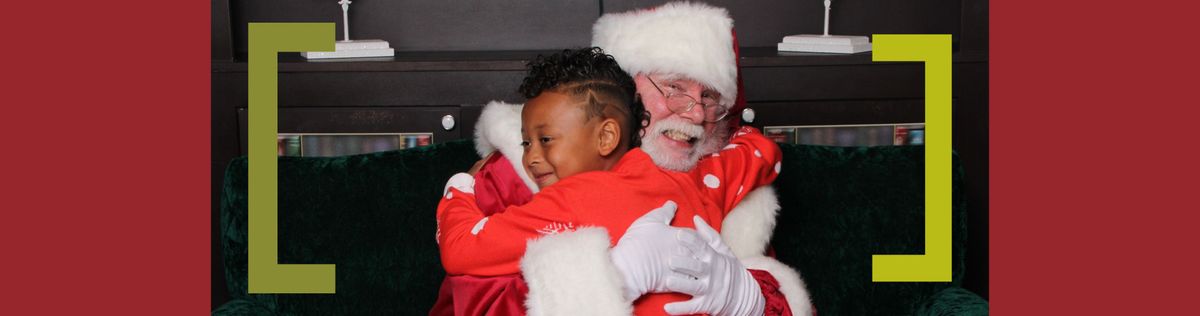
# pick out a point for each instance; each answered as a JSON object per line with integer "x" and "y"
{"x": 670, "y": 158}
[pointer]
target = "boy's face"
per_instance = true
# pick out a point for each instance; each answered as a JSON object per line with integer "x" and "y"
{"x": 559, "y": 139}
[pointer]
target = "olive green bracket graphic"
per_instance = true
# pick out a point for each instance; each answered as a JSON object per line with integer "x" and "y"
{"x": 935, "y": 264}
{"x": 266, "y": 275}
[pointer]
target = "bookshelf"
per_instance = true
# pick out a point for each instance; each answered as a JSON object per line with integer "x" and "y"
{"x": 849, "y": 135}
{"x": 344, "y": 144}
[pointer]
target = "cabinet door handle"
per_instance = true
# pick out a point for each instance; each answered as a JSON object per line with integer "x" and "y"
{"x": 748, "y": 115}
{"x": 448, "y": 122}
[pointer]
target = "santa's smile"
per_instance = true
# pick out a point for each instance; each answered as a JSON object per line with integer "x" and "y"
{"x": 679, "y": 139}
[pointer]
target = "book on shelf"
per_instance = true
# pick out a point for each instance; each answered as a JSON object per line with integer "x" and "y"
{"x": 361, "y": 44}
{"x": 839, "y": 44}
{"x": 786, "y": 135}
{"x": 355, "y": 53}
{"x": 354, "y": 49}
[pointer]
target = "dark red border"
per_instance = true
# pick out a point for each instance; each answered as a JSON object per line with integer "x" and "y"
{"x": 106, "y": 156}
{"x": 1093, "y": 162}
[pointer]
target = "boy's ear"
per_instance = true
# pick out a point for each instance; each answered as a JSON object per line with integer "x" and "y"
{"x": 609, "y": 138}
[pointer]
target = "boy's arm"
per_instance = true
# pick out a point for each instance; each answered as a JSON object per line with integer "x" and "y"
{"x": 474, "y": 244}
{"x": 751, "y": 160}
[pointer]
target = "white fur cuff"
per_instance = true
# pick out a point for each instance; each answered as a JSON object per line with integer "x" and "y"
{"x": 790, "y": 283}
{"x": 462, "y": 181}
{"x": 748, "y": 228}
{"x": 571, "y": 274}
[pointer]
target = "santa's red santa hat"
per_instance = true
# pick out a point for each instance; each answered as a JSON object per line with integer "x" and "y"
{"x": 694, "y": 40}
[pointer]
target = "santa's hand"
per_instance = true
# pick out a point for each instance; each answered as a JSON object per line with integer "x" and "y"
{"x": 717, "y": 281}
{"x": 642, "y": 253}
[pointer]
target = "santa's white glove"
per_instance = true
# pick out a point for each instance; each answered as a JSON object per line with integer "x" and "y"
{"x": 643, "y": 252}
{"x": 717, "y": 281}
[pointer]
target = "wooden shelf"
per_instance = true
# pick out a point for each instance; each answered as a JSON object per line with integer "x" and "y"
{"x": 402, "y": 61}
{"x": 516, "y": 60}
{"x": 771, "y": 57}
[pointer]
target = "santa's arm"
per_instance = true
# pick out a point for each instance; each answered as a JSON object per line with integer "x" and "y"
{"x": 750, "y": 161}
{"x": 474, "y": 244}
{"x": 753, "y": 161}
{"x": 748, "y": 226}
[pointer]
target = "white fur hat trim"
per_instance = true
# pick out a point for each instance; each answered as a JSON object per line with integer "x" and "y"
{"x": 499, "y": 129}
{"x": 694, "y": 40}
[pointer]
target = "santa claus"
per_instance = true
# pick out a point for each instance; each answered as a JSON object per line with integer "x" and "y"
{"x": 683, "y": 57}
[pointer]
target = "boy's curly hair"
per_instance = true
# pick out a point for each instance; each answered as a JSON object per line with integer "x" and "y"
{"x": 590, "y": 73}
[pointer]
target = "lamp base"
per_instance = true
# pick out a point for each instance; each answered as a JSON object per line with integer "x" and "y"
{"x": 354, "y": 49}
{"x": 838, "y": 44}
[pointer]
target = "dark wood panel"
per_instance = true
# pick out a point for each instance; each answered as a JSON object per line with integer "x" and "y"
{"x": 971, "y": 140}
{"x": 838, "y": 112}
{"x": 470, "y": 116}
{"x": 766, "y": 22}
{"x": 398, "y": 88}
{"x": 449, "y": 25}
{"x": 222, "y": 34}
{"x": 975, "y": 28}
{"x": 228, "y": 94}
{"x": 879, "y": 81}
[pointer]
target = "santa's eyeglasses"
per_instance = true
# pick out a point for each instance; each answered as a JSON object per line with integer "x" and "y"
{"x": 680, "y": 102}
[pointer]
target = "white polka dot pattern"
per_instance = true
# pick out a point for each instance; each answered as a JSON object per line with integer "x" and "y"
{"x": 479, "y": 226}
{"x": 711, "y": 181}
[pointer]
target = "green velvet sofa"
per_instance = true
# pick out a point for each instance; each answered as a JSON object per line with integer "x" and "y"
{"x": 373, "y": 216}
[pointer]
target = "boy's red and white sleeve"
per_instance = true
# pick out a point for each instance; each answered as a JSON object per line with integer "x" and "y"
{"x": 751, "y": 160}
{"x": 474, "y": 244}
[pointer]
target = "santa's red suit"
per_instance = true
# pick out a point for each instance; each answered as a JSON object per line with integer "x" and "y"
{"x": 480, "y": 245}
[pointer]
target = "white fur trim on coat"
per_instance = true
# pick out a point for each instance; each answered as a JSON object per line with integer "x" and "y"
{"x": 461, "y": 181}
{"x": 790, "y": 283}
{"x": 499, "y": 128}
{"x": 572, "y": 274}
{"x": 747, "y": 229}
{"x": 690, "y": 39}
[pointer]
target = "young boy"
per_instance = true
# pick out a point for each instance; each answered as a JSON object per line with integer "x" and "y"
{"x": 580, "y": 129}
